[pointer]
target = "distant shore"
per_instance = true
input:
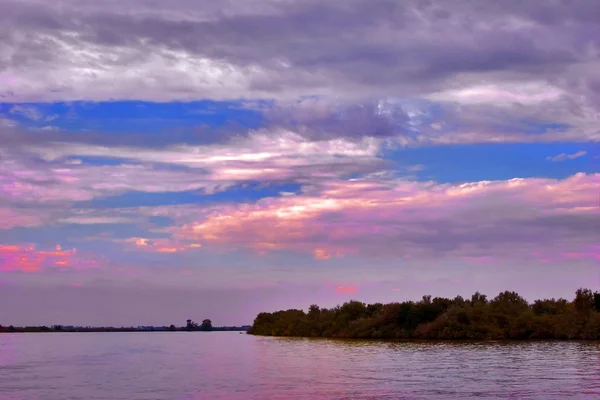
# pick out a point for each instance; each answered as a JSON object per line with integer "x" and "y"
{"x": 508, "y": 316}
{"x": 80, "y": 329}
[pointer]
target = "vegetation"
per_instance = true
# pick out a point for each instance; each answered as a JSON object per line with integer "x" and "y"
{"x": 507, "y": 316}
{"x": 193, "y": 326}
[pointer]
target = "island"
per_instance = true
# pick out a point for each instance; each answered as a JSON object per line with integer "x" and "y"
{"x": 506, "y": 316}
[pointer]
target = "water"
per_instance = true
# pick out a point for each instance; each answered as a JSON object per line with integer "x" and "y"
{"x": 227, "y": 365}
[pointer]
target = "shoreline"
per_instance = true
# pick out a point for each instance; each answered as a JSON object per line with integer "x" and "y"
{"x": 114, "y": 330}
{"x": 416, "y": 340}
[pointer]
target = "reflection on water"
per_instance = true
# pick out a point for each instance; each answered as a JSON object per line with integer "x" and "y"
{"x": 226, "y": 365}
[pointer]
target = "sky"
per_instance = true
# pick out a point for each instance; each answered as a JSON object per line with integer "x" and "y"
{"x": 161, "y": 161}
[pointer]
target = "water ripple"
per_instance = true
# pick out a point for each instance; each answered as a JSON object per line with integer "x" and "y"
{"x": 225, "y": 365}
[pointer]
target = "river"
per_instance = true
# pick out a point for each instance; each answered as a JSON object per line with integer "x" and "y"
{"x": 227, "y": 365}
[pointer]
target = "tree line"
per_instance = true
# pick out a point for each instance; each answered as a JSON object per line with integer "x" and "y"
{"x": 205, "y": 326}
{"x": 506, "y": 316}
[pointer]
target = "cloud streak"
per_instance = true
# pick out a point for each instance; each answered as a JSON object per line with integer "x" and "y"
{"x": 26, "y": 258}
{"x": 565, "y": 157}
{"x": 502, "y": 219}
{"x": 47, "y": 173}
{"x": 159, "y": 245}
{"x": 10, "y": 218}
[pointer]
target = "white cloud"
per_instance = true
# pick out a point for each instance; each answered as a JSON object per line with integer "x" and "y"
{"x": 28, "y": 112}
{"x": 501, "y": 94}
{"x": 565, "y": 156}
{"x": 92, "y": 220}
{"x": 256, "y": 148}
{"x": 208, "y": 168}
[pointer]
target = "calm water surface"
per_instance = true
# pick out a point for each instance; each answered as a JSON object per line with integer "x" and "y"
{"x": 227, "y": 365}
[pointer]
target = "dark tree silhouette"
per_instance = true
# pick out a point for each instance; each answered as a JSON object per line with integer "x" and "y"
{"x": 597, "y": 301}
{"x": 191, "y": 325}
{"x": 506, "y": 316}
{"x": 206, "y": 325}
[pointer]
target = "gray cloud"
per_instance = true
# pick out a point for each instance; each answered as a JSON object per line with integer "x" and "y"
{"x": 487, "y": 64}
{"x": 319, "y": 119}
{"x": 287, "y": 48}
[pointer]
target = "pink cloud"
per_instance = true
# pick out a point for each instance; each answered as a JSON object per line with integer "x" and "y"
{"x": 24, "y": 184}
{"x": 345, "y": 289}
{"x": 10, "y": 218}
{"x": 322, "y": 254}
{"x": 160, "y": 245}
{"x": 481, "y": 221}
{"x": 593, "y": 254}
{"x": 26, "y": 258}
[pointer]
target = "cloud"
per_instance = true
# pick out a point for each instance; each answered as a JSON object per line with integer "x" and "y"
{"x": 12, "y": 217}
{"x": 318, "y": 119}
{"x": 565, "y": 157}
{"x": 288, "y": 48}
{"x": 503, "y": 94}
{"x": 259, "y": 146}
{"x": 28, "y": 112}
{"x": 26, "y": 258}
{"x": 159, "y": 245}
{"x": 45, "y": 172}
{"x": 517, "y": 62}
{"x": 6, "y": 123}
{"x": 334, "y": 88}
{"x": 92, "y": 220}
{"x": 345, "y": 289}
{"x": 496, "y": 219}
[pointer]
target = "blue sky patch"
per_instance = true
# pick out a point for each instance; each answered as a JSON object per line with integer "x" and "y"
{"x": 463, "y": 163}
{"x": 134, "y": 117}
